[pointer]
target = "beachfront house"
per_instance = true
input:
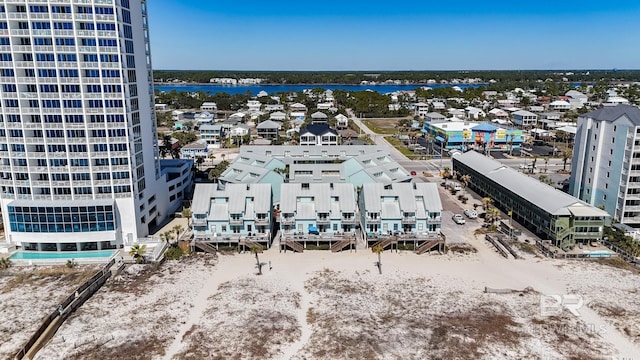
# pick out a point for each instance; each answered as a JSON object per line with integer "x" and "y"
{"x": 410, "y": 211}
{"x": 318, "y": 208}
{"x": 342, "y": 122}
{"x": 236, "y": 215}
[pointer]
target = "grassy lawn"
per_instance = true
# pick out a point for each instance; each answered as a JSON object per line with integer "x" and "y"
{"x": 382, "y": 126}
{"x": 399, "y": 145}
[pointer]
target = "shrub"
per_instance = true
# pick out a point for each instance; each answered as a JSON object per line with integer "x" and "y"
{"x": 406, "y": 247}
{"x": 71, "y": 263}
{"x": 173, "y": 253}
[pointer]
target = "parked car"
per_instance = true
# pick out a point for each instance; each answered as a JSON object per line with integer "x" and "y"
{"x": 413, "y": 173}
{"x": 471, "y": 214}
{"x": 457, "y": 187}
{"x": 458, "y": 219}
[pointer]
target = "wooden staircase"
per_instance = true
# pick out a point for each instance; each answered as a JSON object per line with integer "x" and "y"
{"x": 385, "y": 243}
{"x": 293, "y": 245}
{"x": 428, "y": 245}
{"x": 250, "y": 243}
{"x": 342, "y": 244}
{"x": 206, "y": 247}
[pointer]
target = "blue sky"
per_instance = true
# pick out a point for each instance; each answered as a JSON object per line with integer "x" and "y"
{"x": 394, "y": 35}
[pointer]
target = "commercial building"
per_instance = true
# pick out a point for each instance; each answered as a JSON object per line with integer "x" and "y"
{"x": 79, "y": 165}
{"x": 605, "y": 170}
{"x": 473, "y": 135}
{"x": 551, "y": 214}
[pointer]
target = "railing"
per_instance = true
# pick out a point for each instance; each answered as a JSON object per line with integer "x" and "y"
{"x": 233, "y": 221}
{"x": 287, "y": 221}
{"x": 262, "y": 221}
{"x": 323, "y": 220}
{"x": 408, "y": 220}
{"x": 373, "y": 221}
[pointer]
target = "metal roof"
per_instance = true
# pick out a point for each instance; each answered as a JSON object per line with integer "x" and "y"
{"x": 323, "y": 195}
{"x": 537, "y": 193}
{"x": 238, "y": 198}
{"x": 406, "y": 194}
{"x": 613, "y": 113}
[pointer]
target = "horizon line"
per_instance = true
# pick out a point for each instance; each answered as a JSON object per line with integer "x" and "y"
{"x": 392, "y": 71}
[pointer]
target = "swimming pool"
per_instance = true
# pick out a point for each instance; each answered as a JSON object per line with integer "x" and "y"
{"x": 46, "y": 255}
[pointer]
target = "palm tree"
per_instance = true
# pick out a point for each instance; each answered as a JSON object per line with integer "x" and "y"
{"x": 199, "y": 161}
{"x": 446, "y": 172}
{"x": 566, "y": 155}
{"x": 187, "y": 213}
{"x": 137, "y": 252}
{"x": 5, "y": 263}
{"x": 255, "y": 249}
{"x": 178, "y": 229}
{"x": 465, "y": 180}
{"x": 546, "y": 163}
{"x": 486, "y": 203}
{"x": 378, "y": 250}
{"x": 167, "y": 236}
{"x": 492, "y": 215}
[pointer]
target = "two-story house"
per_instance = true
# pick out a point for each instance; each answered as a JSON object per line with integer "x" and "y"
{"x": 318, "y": 135}
{"x": 524, "y": 118}
{"x": 268, "y": 129}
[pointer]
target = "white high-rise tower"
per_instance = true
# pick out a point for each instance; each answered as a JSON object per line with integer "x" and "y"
{"x": 78, "y": 153}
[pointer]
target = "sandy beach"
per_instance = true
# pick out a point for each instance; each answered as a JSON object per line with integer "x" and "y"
{"x": 323, "y": 305}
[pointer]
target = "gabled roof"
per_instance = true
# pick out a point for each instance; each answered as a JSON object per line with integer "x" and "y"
{"x": 268, "y": 124}
{"x": 613, "y": 113}
{"x": 524, "y": 113}
{"x": 319, "y": 115}
{"x": 318, "y": 129}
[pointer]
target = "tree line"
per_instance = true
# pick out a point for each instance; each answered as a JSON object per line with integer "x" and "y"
{"x": 415, "y": 77}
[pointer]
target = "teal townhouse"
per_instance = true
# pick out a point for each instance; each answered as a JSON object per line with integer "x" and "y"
{"x": 237, "y": 213}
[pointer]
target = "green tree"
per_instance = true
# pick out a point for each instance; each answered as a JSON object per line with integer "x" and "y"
{"x": 5, "y": 263}
{"x": 166, "y": 236}
{"x": 199, "y": 161}
{"x": 137, "y": 252}
{"x": 492, "y": 215}
{"x": 187, "y": 213}
{"x": 178, "y": 229}
{"x": 567, "y": 154}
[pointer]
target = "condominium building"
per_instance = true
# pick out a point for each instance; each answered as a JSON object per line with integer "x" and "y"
{"x": 78, "y": 150}
{"x": 605, "y": 170}
{"x": 550, "y": 213}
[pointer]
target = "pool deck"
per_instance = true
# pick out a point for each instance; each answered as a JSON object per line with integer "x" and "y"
{"x": 59, "y": 261}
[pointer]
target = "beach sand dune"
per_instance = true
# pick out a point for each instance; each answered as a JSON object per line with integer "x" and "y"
{"x": 321, "y": 305}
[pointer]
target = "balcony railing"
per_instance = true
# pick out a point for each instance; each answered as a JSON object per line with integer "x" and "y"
{"x": 262, "y": 221}
{"x": 373, "y": 220}
{"x": 287, "y": 221}
{"x": 351, "y": 220}
{"x": 236, "y": 221}
{"x": 323, "y": 220}
{"x": 408, "y": 220}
